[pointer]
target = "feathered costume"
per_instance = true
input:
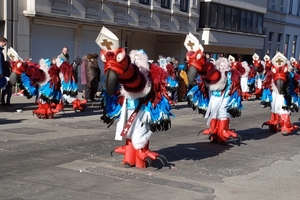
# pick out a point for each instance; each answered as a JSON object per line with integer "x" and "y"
{"x": 263, "y": 79}
{"x": 136, "y": 94}
{"x": 217, "y": 91}
{"x": 281, "y": 89}
{"x": 247, "y": 77}
{"x": 172, "y": 82}
{"x": 38, "y": 80}
{"x": 69, "y": 86}
{"x": 42, "y": 80}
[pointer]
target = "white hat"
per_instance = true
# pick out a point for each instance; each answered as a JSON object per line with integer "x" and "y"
{"x": 231, "y": 59}
{"x": 107, "y": 40}
{"x": 255, "y": 56}
{"x": 13, "y": 55}
{"x": 191, "y": 43}
{"x": 279, "y": 60}
{"x": 292, "y": 59}
{"x": 266, "y": 58}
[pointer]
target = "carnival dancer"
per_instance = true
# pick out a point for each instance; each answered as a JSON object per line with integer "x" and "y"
{"x": 284, "y": 99}
{"x": 172, "y": 82}
{"x": 38, "y": 80}
{"x": 262, "y": 78}
{"x": 247, "y": 77}
{"x": 69, "y": 86}
{"x": 136, "y": 94}
{"x": 220, "y": 85}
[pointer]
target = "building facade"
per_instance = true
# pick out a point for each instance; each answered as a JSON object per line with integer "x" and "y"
{"x": 39, "y": 29}
{"x": 282, "y": 25}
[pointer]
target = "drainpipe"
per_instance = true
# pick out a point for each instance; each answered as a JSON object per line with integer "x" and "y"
{"x": 12, "y": 23}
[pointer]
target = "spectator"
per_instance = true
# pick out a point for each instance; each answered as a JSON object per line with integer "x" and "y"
{"x": 3, "y": 81}
{"x": 92, "y": 72}
{"x": 83, "y": 75}
{"x": 64, "y": 54}
{"x": 53, "y": 61}
{"x": 8, "y": 89}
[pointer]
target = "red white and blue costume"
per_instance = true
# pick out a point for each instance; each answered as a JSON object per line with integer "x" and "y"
{"x": 45, "y": 81}
{"x": 217, "y": 92}
{"x": 135, "y": 94}
{"x": 262, "y": 79}
{"x": 282, "y": 91}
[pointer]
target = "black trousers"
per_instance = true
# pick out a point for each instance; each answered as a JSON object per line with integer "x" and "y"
{"x": 90, "y": 93}
{"x": 8, "y": 93}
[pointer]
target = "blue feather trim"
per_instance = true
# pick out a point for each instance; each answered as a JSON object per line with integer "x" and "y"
{"x": 112, "y": 108}
{"x": 49, "y": 94}
{"x": 69, "y": 87}
{"x": 26, "y": 83}
{"x": 159, "y": 115}
{"x": 197, "y": 100}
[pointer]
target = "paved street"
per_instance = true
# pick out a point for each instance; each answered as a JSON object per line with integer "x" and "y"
{"x": 68, "y": 157}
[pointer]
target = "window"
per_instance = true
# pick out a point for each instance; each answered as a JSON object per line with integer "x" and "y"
{"x": 184, "y": 5}
{"x": 165, "y": 3}
{"x": 286, "y": 45}
{"x": 278, "y": 42}
{"x": 291, "y": 6}
{"x": 235, "y": 14}
{"x": 227, "y": 18}
{"x": 273, "y": 3}
{"x": 204, "y": 12}
{"x": 270, "y": 38}
{"x": 298, "y": 8}
{"x": 147, "y": 2}
{"x": 260, "y": 23}
{"x": 249, "y": 22}
{"x": 213, "y": 15}
{"x": 243, "y": 21}
{"x": 221, "y": 13}
{"x": 294, "y": 46}
{"x": 254, "y": 23}
{"x": 281, "y": 5}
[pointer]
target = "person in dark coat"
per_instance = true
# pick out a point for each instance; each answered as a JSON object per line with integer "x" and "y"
{"x": 92, "y": 72}
{"x": 8, "y": 89}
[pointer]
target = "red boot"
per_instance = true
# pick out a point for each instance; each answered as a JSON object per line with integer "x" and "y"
{"x": 38, "y": 110}
{"x": 129, "y": 154}
{"x": 58, "y": 107}
{"x": 273, "y": 122}
{"x": 121, "y": 149}
{"x": 144, "y": 156}
{"x": 224, "y": 134}
{"x": 79, "y": 105}
{"x": 257, "y": 93}
{"x": 285, "y": 124}
{"x": 213, "y": 128}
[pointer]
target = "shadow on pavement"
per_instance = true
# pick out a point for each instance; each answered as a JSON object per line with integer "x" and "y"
{"x": 6, "y": 121}
{"x": 189, "y": 151}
